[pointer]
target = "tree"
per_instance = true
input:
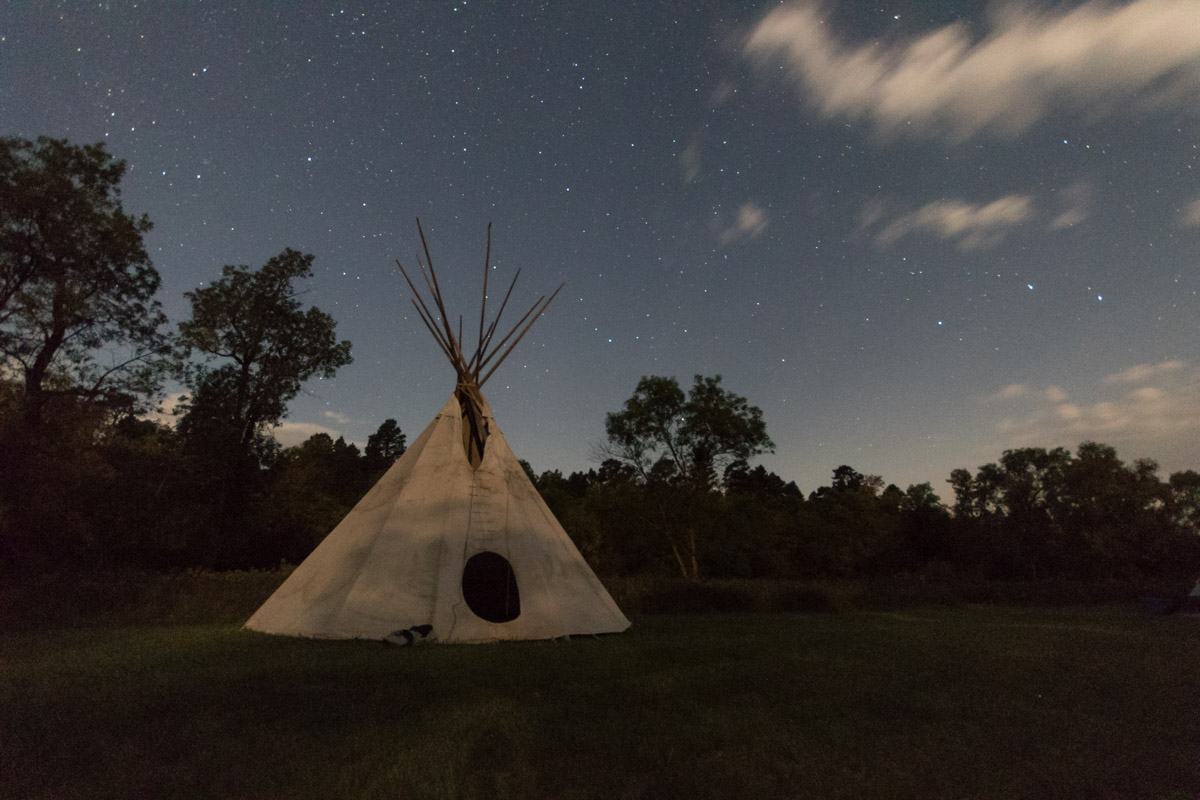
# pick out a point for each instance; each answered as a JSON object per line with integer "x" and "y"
{"x": 846, "y": 478}
{"x": 77, "y": 310}
{"x": 387, "y": 443}
{"x": 854, "y": 521}
{"x": 81, "y": 337}
{"x": 1184, "y": 500}
{"x": 680, "y": 445}
{"x": 693, "y": 438}
{"x": 258, "y": 346}
{"x": 384, "y": 446}
{"x": 256, "y": 322}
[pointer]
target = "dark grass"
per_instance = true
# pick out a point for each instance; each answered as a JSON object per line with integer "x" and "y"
{"x": 978, "y": 702}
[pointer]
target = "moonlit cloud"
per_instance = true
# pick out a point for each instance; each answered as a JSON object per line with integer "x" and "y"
{"x": 1076, "y": 203}
{"x": 970, "y": 226}
{"x": 1143, "y": 372}
{"x": 335, "y": 416}
{"x": 165, "y": 413}
{"x": 290, "y": 434}
{"x": 1010, "y": 392}
{"x": 1098, "y": 58}
{"x": 1191, "y": 214}
{"x": 1164, "y": 416}
{"x": 750, "y": 223}
{"x": 689, "y": 160}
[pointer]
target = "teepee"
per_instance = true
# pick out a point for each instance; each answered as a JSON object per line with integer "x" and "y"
{"x": 453, "y": 542}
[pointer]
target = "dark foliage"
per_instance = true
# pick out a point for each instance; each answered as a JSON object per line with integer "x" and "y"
{"x": 81, "y": 338}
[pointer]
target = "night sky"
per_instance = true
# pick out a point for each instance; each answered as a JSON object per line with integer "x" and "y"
{"x": 915, "y": 234}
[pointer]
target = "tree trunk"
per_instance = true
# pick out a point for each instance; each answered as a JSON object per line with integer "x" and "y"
{"x": 692, "y": 555}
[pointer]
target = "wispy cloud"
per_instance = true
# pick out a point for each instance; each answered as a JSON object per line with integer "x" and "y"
{"x": 1056, "y": 394}
{"x": 1141, "y": 373}
{"x": 1191, "y": 214}
{"x": 969, "y": 225}
{"x": 1010, "y": 392}
{"x": 1123, "y": 409}
{"x": 750, "y": 223}
{"x": 1095, "y": 58}
{"x": 689, "y": 160}
{"x": 1076, "y": 205}
{"x": 290, "y": 434}
{"x": 336, "y": 416}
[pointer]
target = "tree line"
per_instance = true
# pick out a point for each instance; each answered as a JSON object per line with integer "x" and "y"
{"x": 86, "y": 480}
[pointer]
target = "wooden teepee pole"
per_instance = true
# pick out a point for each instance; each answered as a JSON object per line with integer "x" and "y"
{"x": 468, "y": 369}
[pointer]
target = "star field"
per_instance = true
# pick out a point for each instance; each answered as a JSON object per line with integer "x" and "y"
{"x": 914, "y": 234}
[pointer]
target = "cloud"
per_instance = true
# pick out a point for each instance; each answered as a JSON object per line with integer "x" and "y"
{"x": 751, "y": 222}
{"x": 1191, "y": 214}
{"x": 1143, "y": 372}
{"x": 165, "y": 413}
{"x": 290, "y": 434}
{"x": 1095, "y": 58}
{"x": 689, "y": 160}
{"x": 336, "y": 416}
{"x": 1010, "y": 392}
{"x": 1076, "y": 202}
{"x": 971, "y": 226}
{"x": 1067, "y": 219}
{"x": 1164, "y": 416}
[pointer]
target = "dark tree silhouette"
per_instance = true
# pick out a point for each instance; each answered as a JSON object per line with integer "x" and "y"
{"x": 266, "y": 345}
{"x": 386, "y": 444}
{"x": 680, "y": 445}
{"x": 258, "y": 346}
{"x": 77, "y": 309}
{"x": 81, "y": 335}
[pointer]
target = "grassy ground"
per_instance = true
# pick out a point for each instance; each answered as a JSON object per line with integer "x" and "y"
{"x": 972, "y": 702}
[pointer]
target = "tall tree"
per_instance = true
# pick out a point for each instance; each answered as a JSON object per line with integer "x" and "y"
{"x": 267, "y": 344}
{"x": 81, "y": 335}
{"x": 693, "y": 438}
{"x": 385, "y": 445}
{"x": 258, "y": 345}
{"x": 77, "y": 310}
{"x": 680, "y": 445}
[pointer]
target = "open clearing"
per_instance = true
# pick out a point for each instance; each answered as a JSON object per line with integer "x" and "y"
{"x": 976, "y": 702}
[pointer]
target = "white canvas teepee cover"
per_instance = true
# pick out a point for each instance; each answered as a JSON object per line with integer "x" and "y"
{"x": 397, "y": 560}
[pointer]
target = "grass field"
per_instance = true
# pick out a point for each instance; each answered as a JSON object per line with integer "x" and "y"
{"x": 976, "y": 702}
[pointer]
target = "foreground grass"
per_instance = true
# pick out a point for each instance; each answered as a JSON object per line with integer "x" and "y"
{"x": 973, "y": 702}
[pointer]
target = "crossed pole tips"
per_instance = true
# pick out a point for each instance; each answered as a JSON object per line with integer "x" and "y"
{"x": 469, "y": 368}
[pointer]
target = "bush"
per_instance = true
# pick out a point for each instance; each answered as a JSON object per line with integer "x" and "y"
{"x": 790, "y": 598}
{"x": 679, "y": 596}
{"x": 132, "y": 597}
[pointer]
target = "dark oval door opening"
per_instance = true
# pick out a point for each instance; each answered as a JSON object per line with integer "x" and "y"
{"x": 490, "y": 587}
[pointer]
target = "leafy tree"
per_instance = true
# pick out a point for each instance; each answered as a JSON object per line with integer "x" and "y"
{"x": 258, "y": 345}
{"x": 310, "y": 488}
{"x": 678, "y": 446}
{"x": 81, "y": 337}
{"x": 759, "y": 483}
{"x": 387, "y": 443}
{"x": 384, "y": 446}
{"x": 920, "y": 497}
{"x": 1184, "y": 500}
{"x": 268, "y": 344}
{"x": 1044, "y": 513}
{"x": 693, "y": 438}
{"x": 846, "y": 478}
{"x": 853, "y": 521}
{"x": 77, "y": 309}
